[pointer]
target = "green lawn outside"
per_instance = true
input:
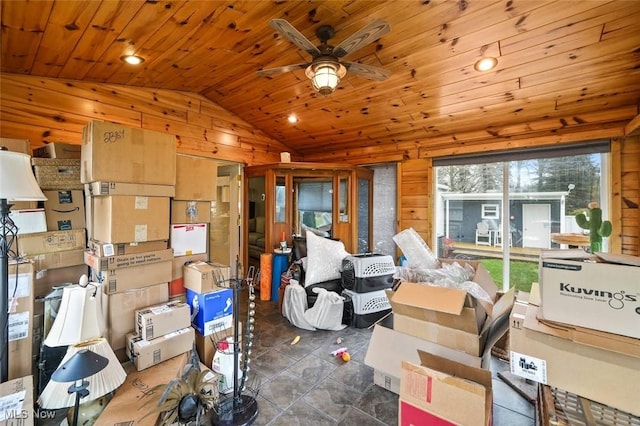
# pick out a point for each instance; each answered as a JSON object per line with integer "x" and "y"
{"x": 523, "y": 274}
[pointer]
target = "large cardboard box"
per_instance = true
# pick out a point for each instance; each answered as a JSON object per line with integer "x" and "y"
{"x": 147, "y": 353}
{"x": 602, "y": 296}
{"x": 205, "y": 277}
{"x": 29, "y": 221}
{"x": 576, "y": 360}
{"x": 102, "y": 249}
{"x": 126, "y": 260}
{"x": 19, "y": 332}
{"x": 127, "y": 218}
{"x": 211, "y": 312}
{"x": 121, "y": 310}
{"x": 64, "y": 210}
{"x": 196, "y": 178}
{"x": 51, "y": 242}
{"x": 190, "y": 211}
{"x": 16, "y": 145}
{"x": 137, "y": 389}
{"x": 52, "y": 173}
{"x": 158, "y": 320}
{"x": 58, "y": 150}
{"x": 206, "y": 345}
{"x": 433, "y": 393}
{"x": 46, "y": 279}
{"x": 449, "y": 307}
{"x": 17, "y": 402}
{"x": 117, "y": 153}
{"x": 189, "y": 238}
{"x": 176, "y": 286}
{"x": 120, "y": 188}
{"x": 125, "y": 279}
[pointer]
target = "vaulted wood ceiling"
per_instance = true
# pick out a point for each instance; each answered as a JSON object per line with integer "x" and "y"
{"x": 561, "y": 64}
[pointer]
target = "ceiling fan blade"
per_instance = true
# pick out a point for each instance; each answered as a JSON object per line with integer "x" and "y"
{"x": 281, "y": 70}
{"x": 289, "y": 31}
{"x": 367, "y": 71}
{"x": 362, "y": 37}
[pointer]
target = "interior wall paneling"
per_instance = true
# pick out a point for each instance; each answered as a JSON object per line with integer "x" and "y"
{"x": 415, "y": 198}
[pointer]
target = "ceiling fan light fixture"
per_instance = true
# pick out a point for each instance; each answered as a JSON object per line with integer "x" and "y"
{"x": 132, "y": 59}
{"x": 325, "y": 76}
{"x": 486, "y": 64}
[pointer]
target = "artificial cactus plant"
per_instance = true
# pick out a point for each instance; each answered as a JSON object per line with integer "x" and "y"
{"x": 591, "y": 219}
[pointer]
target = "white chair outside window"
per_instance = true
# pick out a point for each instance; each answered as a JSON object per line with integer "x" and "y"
{"x": 483, "y": 235}
{"x": 498, "y": 238}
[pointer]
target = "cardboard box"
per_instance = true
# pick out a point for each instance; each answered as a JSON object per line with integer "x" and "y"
{"x": 120, "y": 188}
{"x": 126, "y": 260}
{"x": 147, "y": 353}
{"x": 102, "y": 249}
{"x": 158, "y": 320}
{"x": 176, "y": 286}
{"x": 553, "y": 355}
{"x": 117, "y": 153}
{"x": 190, "y": 238}
{"x": 52, "y": 173}
{"x": 61, "y": 259}
{"x": 206, "y": 345}
{"x": 24, "y": 205}
{"x": 46, "y": 279}
{"x": 19, "y": 333}
{"x": 17, "y": 397}
{"x": 127, "y": 218}
{"x": 51, "y": 242}
{"x": 58, "y": 150}
{"x": 29, "y": 221}
{"x": 64, "y": 210}
{"x": 434, "y": 392}
{"x": 125, "y": 279}
{"x": 196, "y": 178}
{"x": 205, "y": 277}
{"x": 602, "y": 296}
{"x": 16, "y": 145}
{"x": 190, "y": 211}
{"x": 137, "y": 389}
{"x": 121, "y": 310}
{"x": 211, "y": 312}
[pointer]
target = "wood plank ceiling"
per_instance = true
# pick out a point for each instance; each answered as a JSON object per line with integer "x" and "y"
{"x": 561, "y": 64}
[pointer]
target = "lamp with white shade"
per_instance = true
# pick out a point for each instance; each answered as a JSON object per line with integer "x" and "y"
{"x": 17, "y": 183}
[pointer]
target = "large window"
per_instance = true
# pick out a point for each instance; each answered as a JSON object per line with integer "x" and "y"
{"x": 513, "y": 205}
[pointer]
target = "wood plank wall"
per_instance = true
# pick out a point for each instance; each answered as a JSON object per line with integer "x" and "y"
{"x": 55, "y": 110}
{"x": 415, "y": 197}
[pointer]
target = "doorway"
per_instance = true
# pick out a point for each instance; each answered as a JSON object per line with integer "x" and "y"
{"x": 536, "y": 222}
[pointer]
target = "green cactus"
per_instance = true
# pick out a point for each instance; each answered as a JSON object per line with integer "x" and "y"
{"x": 591, "y": 220}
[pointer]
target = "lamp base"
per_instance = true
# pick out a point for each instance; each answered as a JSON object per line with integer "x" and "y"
{"x": 89, "y": 412}
{"x": 243, "y": 412}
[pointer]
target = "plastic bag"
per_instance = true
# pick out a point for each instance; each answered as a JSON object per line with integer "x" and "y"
{"x": 223, "y": 365}
{"x": 294, "y": 305}
{"x": 326, "y": 313}
{"x": 415, "y": 249}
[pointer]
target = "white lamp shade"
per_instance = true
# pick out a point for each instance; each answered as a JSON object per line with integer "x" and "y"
{"x": 325, "y": 79}
{"x": 78, "y": 318}
{"x": 55, "y": 395}
{"x": 17, "y": 182}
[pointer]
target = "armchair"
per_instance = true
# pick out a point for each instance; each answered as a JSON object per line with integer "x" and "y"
{"x": 483, "y": 234}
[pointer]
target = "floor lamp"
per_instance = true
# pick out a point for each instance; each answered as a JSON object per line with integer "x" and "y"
{"x": 17, "y": 183}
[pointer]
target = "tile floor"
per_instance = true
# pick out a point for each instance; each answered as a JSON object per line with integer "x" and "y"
{"x": 304, "y": 384}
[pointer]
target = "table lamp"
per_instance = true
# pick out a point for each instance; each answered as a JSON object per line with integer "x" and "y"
{"x": 17, "y": 183}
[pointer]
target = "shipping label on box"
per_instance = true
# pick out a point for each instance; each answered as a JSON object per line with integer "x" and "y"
{"x": 190, "y": 211}
{"x": 120, "y": 280}
{"x": 188, "y": 239}
{"x": 127, "y": 218}
{"x": 155, "y": 321}
{"x": 147, "y": 353}
{"x": 58, "y": 150}
{"x": 17, "y": 402}
{"x": 602, "y": 296}
{"x": 126, "y": 260}
{"x": 20, "y": 320}
{"x": 196, "y": 178}
{"x": 29, "y": 221}
{"x": 211, "y": 312}
{"x": 64, "y": 210}
{"x": 51, "y": 242}
{"x": 119, "y": 188}
{"x": 117, "y": 153}
{"x": 102, "y": 249}
{"x": 204, "y": 277}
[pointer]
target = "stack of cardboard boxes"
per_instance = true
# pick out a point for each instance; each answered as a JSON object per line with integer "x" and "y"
{"x": 440, "y": 336}
{"x": 579, "y": 329}
{"x": 129, "y": 176}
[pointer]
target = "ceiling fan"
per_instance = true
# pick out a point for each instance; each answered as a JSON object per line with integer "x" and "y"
{"x": 325, "y": 69}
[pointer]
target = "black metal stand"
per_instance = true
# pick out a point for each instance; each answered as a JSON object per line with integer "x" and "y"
{"x": 8, "y": 232}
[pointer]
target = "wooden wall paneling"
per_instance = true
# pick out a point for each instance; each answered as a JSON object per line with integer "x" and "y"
{"x": 615, "y": 241}
{"x": 415, "y": 196}
{"x": 630, "y": 198}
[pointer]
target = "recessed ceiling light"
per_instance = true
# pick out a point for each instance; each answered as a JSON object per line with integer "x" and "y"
{"x": 132, "y": 59}
{"x": 292, "y": 119}
{"x": 486, "y": 64}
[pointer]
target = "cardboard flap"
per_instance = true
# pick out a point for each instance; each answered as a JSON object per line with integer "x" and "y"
{"x": 502, "y": 306}
{"x": 456, "y": 369}
{"x": 447, "y": 300}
